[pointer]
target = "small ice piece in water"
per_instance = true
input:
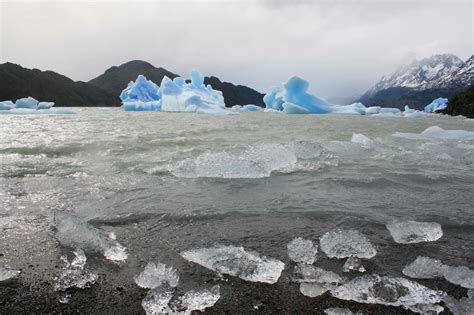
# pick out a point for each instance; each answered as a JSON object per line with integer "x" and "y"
{"x": 238, "y": 262}
{"x": 409, "y": 232}
{"x": 375, "y": 289}
{"x": 313, "y": 289}
{"x": 28, "y": 102}
{"x": 156, "y": 274}
{"x": 200, "y": 300}
{"x": 347, "y": 243}
{"x": 74, "y": 273}
{"x": 338, "y": 311}
{"x": 8, "y": 273}
{"x": 362, "y": 140}
{"x": 45, "y": 105}
{"x": 462, "y": 276}
{"x": 157, "y": 299}
{"x": 251, "y": 108}
{"x": 302, "y": 251}
{"x": 353, "y": 264}
{"x": 425, "y": 268}
{"x": 436, "y": 105}
{"x": 437, "y": 133}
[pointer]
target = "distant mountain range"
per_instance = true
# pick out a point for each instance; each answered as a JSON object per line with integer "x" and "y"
{"x": 17, "y": 82}
{"x": 418, "y": 83}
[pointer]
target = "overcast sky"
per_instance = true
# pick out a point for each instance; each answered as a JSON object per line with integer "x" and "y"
{"x": 341, "y": 47}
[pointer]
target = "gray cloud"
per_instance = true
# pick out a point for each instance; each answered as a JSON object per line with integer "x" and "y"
{"x": 341, "y": 47}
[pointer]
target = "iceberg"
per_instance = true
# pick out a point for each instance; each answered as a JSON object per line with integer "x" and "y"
{"x": 237, "y": 262}
{"x": 141, "y": 95}
{"x": 28, "y": 102}
{"x": 413, "y": 113}
{"x": 409, "y": 232}
{"x": 6, "y": 105}
{"x": 338, "y": 311}
{"x": 436, "y": 105}
{"x": 347, "y": 243}
{"x": 74, "y": 273}
{"x": 27, "y": 105}
{"x": 251, "y": 108}
{"x": 155, "y": 275}
{"x": 45, "y": 105}
{"x": 302, "y": 251}
{"x": 8, "y": 273}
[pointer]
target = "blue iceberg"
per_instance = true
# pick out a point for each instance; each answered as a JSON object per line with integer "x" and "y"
{"x": 436, "y": 105}
{"x": 141, "y": 95}
{"x": 27, "y": 105}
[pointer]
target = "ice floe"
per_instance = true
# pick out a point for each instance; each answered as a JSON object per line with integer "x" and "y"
{"x": 409, "y": 232}
{"x": 436, "y": 105}
{"x": 347, "y": 243}
{"x": 394, "y": 291}
{"x": 302, "y": 251}
{"x": 74, "y": 232}
{"x": 155, "y": 275}
{"x": 157, "y": 299}
{"x": 238, "y": 262}
{"x": 353, "y": 264}
{"x": 437, "y": 133}
{"x": 7, "y": 273}
{"x": 74, "y": 273}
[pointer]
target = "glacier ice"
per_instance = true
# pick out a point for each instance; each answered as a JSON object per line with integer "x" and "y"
{"x": 413, "y": 113}
{"x": 437, "y": 104}
{"x": 74, "y": 273}
{"x": 408, "y": 232}
{"x": 8, "y": 273}
{"x": 74, "y": 232}
{"x": 6, "y": 105}
{"x": 45, "y": 105}
{"x": 346, "y": 243}
{"x": 315, "y": 281}
{"x": 386, "y": 290}
{"x": 156, "y": 274}
{"x": 302, "y": 251}
{"x": 251, "y": 108}
{"x": 238, "y": 262}
{"x": 157, "y": 299}
{"x": 27, "y": 105}
{"x": 199, "y": 300}
{"x": 27, "y": 102}
{"x": 256, "y": 162}
{"x": 461, "y": 275}
{"x": 463, "y": 306}
{"x": 353, "y": 264}
{"x": 141, "y": 90}
{"x": 437, "y": 133}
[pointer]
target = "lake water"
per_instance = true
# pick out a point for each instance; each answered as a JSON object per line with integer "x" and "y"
{"x": 164, "y": 183}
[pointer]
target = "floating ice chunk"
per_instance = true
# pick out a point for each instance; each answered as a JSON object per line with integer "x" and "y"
{"x": 155, "y": 275}
{"x": 436, "y": 105}
{"x": 290, "y": 108}
{"x": 271, "y": 110}
{"x": 463, "y": 306}
{"x": 236, "y": 108}
{"x": 74, "y": 232}
{"x": 353, "y": 109}
{"x": 251, "y": 108}
{"x": 362, "y": 140}
{"x": 462, "y": 276}
{"x": 45, "y": 105}
{"x": 255, "y": 162}
{"x": 385, "y": 110}
{"x": 338, "y": 311}
{"x": 372, "y": 110}
{"x": 425, "y": 268}
{"x": 413, "y": 113}
{"x": 437, "y": 133}
{"x": 74, "y": 273}
{"x": 157, "y": 299}
{"x": 302, "y": 251}
{"x": 141, "y": 90}
{"x": 314, "y": 289}
{"x": 30, "y": 111}
{"x": 138, "y": 106}
{"x": 374, "y": 289}
{"x": 6, "y": 105}
{"x": 238, "y": 262}
{"x": 353, "y": 264}
{"x": 409, "y": 232}
{"x": 310, "y": 273}
{"x": 347, "y": 243}
{"x": 200, "y": 300}
{"x": 28, "y": 102}
{"x": 8, "y": 273}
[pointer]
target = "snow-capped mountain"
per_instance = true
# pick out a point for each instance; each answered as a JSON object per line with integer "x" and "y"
{"x": 414, "y": 84}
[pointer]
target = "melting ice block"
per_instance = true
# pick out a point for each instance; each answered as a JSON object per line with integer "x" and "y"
{"x": 155, "y": 275}
{"x": 199, "y": 300}
{"x": 74, "y": 273}
{"x": 415, "y": 232}
{"x": 316, "y": 281}
{"x": 347, "y": 243}
{"x": 353, "y": 264}
{"x": 157, "y": 299}
{"x": 45, "y": 105}
{"x": 436, "y": 105}
{"x": 238, "y": 262}
{"x": 8, "y": 273}
{"x": 302, "y": 251}
{"x": 437, "y": 133}
{"x": 28, "y": 102}
{"x": 362, "y": 140}
{"x": 6, "y": 105}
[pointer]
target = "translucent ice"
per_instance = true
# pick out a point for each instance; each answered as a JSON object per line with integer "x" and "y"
{"x": 25, "y": 105}
{"x": 415, "y": 232}
{"x": 353, "y": 264}
{"x": 141, "y": 90}
{"x": 375, "y": 289}
{"x": 8, "y": 273}
{"x": 315, "y": 281}
{"x": 236, "y": 261}
{"x": 463, "y": 306}
{"x": 157, "y": 299}
{"x": 155, "y": 275}
{"x": 347, "y": 243}
{"x": 45, "y": 105}
{"x": 314, "y": 289}
{"x": 28, "y": 102}
{"x": 338, "y": 311}
{"x": 6, "y": 105}
{"x": 362, "y": 140}
{"x": 138, "y": 106}
{"x": 437, "y": 104}
{"x": 302, "y": 251}
{"x": 462, "y": 276}
{"x": 74, "y": 232}
{"x": 251, "y": 108}
{"x": 437, "y": 133}
{"x": 413, "y": 113}
{"x": 199, "y": 300}
{"x": 74, "y": 273}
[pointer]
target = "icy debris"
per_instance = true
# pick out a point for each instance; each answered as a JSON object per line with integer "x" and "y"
{"x": 462, "y": 276}
{"x": 236, "y": 261}
{"x": 463, "y": 306}
{"x": 157, "y": 299}
{"x": 28, "y": 104}
{"x": 436, "y": 105}
{"x": 6, "y": 105}
{"x": 375, "y": 289}
{"x": 156, "y": 274}
{"x": 251, "y": 108}
{"x": 313, "y": 289}
{"x": 437, "y": 133}
{"x": 353, "y": 264}
{"x": 302, "y": 251}
{"x": 347, "y": 243}
{"x": 199, "y": 300}
{"x": 315, "y": 281}
{"x": 413, "y": 113}
{"x": 74, "y": 232}
{"x": 256, "y": 162}
{"x": 339, "y": 311}
{"x": 7, "y": 273}
{"x": 408, "y": 232}
{"x": 362, "y": 140}
{"x": 74, "y": 273}
{"x": 64, "y": 298}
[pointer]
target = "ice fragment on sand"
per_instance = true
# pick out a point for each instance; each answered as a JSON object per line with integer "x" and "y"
{"x": 315, "y": 281}
{"x": 236, "y": 261}
{"x": 156, "y": 274}
{"x": 463, "y": 306}
{"x": 353, "y": 264}
{"x": 338, "y": 311}
{"x": 302, "y": 251}
{"x": 8, "y": 273}
{"x": 347, "y": 243}
{"x": 462, "y": 276}
{"x": 415, "y": 232}
{"x": 313, "y": 289}
{"x": 199, "y": 300}
{"x": 157, "y": 299}
{"x": 74, "y": 273}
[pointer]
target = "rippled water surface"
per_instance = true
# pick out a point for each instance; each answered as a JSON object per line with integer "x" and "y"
{"x": 164, "y": 183}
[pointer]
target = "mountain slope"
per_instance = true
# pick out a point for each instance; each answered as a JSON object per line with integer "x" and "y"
{"x": 462, "y": 104}
{"x": 18, "y": 82}
{"x": 420, "y": 82}
{"x": 116, "y": 79}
